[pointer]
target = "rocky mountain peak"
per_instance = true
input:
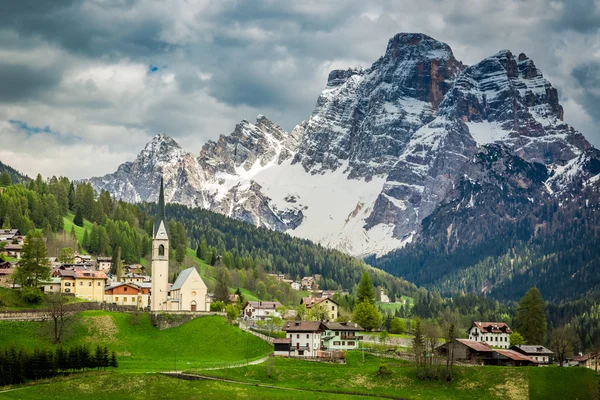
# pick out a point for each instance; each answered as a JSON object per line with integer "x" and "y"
{"x": 263, "y": 141}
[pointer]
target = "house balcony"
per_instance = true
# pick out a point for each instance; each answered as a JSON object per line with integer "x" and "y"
{"x": 350, "y": 337}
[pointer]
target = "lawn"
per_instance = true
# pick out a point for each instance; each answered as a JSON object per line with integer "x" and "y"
{"x": 470, "y": 382}
{"x": 79, "y": 231}
{"x": 110, "y": 386}
{"x": 203, "y": 342}
{"x": 10, "y": 300}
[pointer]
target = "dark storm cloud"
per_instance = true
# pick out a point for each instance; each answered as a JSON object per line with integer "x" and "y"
{"x": 588, "y": 77}
{"x": 22, "y": 82}
{"x": 578, "y": 15}
{"x": 115, "y": 72}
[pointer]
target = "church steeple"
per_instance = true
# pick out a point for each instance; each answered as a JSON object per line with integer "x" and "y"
{"x": 161, "y": 217}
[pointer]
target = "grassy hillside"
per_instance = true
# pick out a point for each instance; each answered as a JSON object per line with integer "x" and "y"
{"x": 471, "y": 382}
{"x": 111, "y": 386}
{"x": 203, "y": 342}
{"x": 79, "y": 230}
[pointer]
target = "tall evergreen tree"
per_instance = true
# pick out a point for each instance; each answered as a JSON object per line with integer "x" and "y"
{"x": 530, "y": 321}
{"x": 222, "y": 288}
{"x": 365, "y": 291}
{"x": 78, "y": 219}
{"x": 34, "y": 266}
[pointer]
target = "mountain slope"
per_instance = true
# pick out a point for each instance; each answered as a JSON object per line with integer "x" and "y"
{"x": 385, "y": 148}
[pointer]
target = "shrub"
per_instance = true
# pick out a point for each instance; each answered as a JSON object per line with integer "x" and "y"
{"x": 384, "y": 369}
{"x": 32, "y": 295}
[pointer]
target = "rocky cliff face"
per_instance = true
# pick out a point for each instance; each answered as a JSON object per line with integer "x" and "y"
{"x": 412, "y": 136}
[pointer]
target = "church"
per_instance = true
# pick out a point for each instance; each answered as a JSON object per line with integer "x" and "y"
{"x": 189, "y": 292}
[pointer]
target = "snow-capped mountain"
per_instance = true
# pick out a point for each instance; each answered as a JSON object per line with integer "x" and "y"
{"x": 384, "y": 148}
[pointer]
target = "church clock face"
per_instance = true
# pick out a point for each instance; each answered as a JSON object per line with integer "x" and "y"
{"x": 193, "y": 293}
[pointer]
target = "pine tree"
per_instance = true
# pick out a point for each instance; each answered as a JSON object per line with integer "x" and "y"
{"x": 119, "y": 265}
{"x": 113, "y": 360}
{"x": 78, "y": 219}
{"x": 34, "y": 266}
{"x": 530, "y": 321}
{"x": 365, "y": 291}
{"x": 5, "y": 179}
{"x": 85, "y": 243}
{"x": 73, "y": 233}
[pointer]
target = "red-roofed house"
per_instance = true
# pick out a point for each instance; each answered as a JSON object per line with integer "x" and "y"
{"x": 496, "y": 334}
{"x": 466, "y": 350}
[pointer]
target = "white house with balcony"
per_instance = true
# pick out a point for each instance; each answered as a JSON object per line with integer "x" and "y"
{"x": 341, "y": 336}
{"x": 261, "y": 309}
{"x": 304, "y": 337}
{"x": 495, "y": 334}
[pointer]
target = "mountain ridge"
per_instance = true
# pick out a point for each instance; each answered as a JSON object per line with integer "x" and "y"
{"x": 384, "y": 148}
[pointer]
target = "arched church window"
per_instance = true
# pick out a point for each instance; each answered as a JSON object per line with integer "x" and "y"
{"x": 161, "y": 250}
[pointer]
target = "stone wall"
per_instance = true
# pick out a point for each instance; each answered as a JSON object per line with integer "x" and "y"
{"x": 172, "y": 319}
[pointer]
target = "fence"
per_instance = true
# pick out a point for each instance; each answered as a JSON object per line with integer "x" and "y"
{"x": 259, "y": 335}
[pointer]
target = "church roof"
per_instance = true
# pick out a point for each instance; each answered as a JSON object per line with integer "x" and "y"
{"x": 183, "y": 276}
{"x": 161, "y": 232}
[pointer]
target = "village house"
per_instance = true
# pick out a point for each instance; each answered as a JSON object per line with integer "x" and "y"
{"x": 11, "y": 236}
{"x": 589, "y": 360}
{"x": 310, "y": 282}
{"x": 304, "y": 337}
{"x": 6, "y": 270}
{"x": 328, "y": 304}
{"x": 13, "y": 250}
{"x": 261, "y": 309}
{"x": 128, "y": 294}
{"x": 52, "y": 286}
{"x": 466, "y": 350}
{"x": 340, "y": 336}
{"x": 477, "y": 352}
{"x": 132, "y": 277}
{"x": 296, "y": 286}
{"x": 277, "y": 277}
{"x": 83, "y": 283}
{"x": 188, "y": 293}
{"x": 496, "y": 334}
{"x": 83, "y": 259}
{"x": 103, "y": 263}
{"x": 539, "y": 354}
{"x": 509, "y": 358}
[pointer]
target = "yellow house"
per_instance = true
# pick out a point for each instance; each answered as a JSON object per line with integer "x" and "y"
{"x": 325, "y": 302}
{"x": 88, "y": 285}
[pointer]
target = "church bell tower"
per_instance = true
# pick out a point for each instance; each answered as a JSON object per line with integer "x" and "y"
{"x": 160, "y": 258}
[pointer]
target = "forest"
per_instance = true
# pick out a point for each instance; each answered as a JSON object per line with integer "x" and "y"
{"x": 239, "y": 255}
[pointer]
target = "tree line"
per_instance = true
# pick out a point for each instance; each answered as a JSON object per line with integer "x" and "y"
{"x": 20, "y": 365}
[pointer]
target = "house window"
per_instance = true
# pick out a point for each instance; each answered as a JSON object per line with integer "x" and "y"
{"x": 124, "y": 299}
{"x": 90, "y": 284}
{"x": 496, "y": 338}
{"x": 297, "y": 336}
{"x": 350, "y": 343}
{"x": 67, "y": 283}
{"x": 307, "y": 336}
{"x": 336, "y": 343}
{"x": 125, "y": 289}
{"x": 116, "y": 299}
{"x": 81, "y": 283}
{"x": 337, "y": 334}
{"x": 343, "y": 343}
{"x": 99, "y": 283}
{"x": 332, "y": 308}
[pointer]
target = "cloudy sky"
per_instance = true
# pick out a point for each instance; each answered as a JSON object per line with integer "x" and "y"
{"x": 85, "y": 84}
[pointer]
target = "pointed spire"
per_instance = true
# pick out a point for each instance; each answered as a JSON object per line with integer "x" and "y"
{"x": 161, "y": 201}
{"x": 161, "y": 217}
